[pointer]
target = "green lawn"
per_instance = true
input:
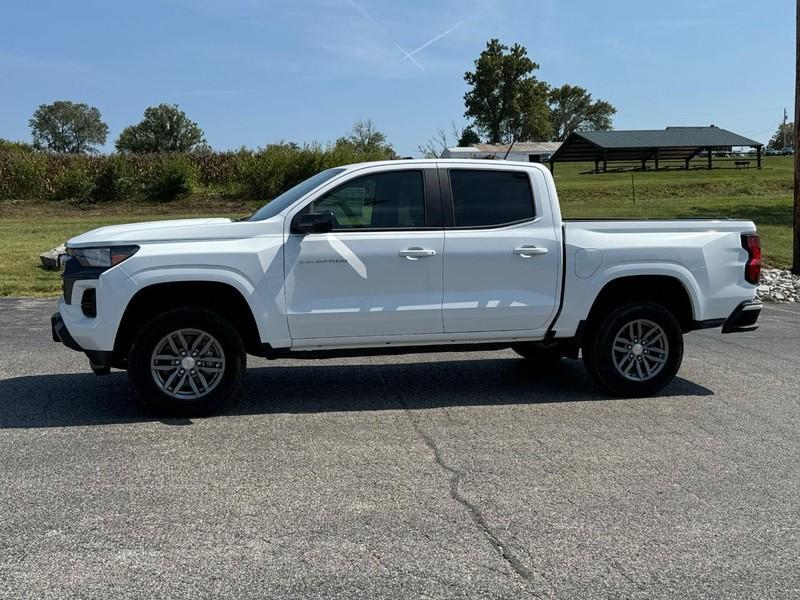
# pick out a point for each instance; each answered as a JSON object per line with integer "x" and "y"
{"x": 763, "y": 196}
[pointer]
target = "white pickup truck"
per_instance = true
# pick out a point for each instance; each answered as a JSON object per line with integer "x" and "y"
{"x": 398, "y": 257}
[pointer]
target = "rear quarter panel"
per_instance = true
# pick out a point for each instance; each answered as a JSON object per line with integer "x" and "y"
{"x": 705, "y": 256}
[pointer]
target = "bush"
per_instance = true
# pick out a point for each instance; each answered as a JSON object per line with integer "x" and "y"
{"x": 114, "y": 180}
{"x": 171, "y": 178}
{"x": 254, "y": 175}
{"x": 73, "y": 184}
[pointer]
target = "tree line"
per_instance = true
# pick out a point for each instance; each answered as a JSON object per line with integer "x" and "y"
{"x": 77, "y": 128}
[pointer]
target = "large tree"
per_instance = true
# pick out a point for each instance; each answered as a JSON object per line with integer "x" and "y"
{"x": 164, "y": 128}
{"x": 71, "y": 127}
{"x": 784, "y": 136}
{"x": 365, "y": 138}
{"x": 505, "y": 100}
{"x": 573, "y": 109}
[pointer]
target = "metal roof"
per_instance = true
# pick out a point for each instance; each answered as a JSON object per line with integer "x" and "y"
{"x": 672, "y": 137}
{"x": 672, "y": 143}
{"x": 518, "y": 148}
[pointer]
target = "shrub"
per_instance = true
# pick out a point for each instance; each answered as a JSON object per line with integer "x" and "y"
{"x": 272, "y": 170}
{"x": 74, "y": 184}
{"x": 171, "y": 178}
{"x": 114, "y": 180}
{"x": 255, "y": 175}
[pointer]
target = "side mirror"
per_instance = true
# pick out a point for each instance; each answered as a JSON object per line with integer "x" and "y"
{"x": 313, "y": 223}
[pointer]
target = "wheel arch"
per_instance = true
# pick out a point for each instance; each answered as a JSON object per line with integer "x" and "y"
{"x": 155, "y": 298}
{"x": 665, "y": 290}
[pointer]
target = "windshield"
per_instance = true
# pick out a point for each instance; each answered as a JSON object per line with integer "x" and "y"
{"x": 291, "y": 195}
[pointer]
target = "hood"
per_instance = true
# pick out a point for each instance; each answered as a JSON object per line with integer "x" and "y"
{"x": 176, "y": 231}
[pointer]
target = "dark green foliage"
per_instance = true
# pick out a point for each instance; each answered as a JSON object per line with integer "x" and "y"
{"x": 468, "y": 137}
{"x": 114, "y": 181}
{"x": 171, "y": 178}
{"x": 164, "y": 128}
{"x": 68, "y": 127}
{"x": 256, "y": 175}
{"x": 365, "y": 140}
{"x": 784, "y": 136}
{"x": 505, "y": 100}
{"x": 572, "y": 109}
{"x": 73, "y": 184}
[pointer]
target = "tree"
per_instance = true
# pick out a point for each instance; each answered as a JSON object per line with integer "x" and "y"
{"x": 505, "y": 99}
{"x": 365, "y": 139}
{"x": 440, "y": 142}
{"x": 468, "y": 137}
{"x": 572, "y": 109}
{"x": 784, "y": 136}
{"x": 164, "y": 128}
{"x": 70, "y": 127}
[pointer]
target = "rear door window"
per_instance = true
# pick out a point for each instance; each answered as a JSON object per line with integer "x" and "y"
{"x": 490, "y": 198}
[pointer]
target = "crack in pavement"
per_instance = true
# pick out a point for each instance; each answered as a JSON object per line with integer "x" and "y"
{"x": 477, "y": 516}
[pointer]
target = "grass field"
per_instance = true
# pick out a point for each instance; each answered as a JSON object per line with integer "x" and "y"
{"x": 762, "y": 196}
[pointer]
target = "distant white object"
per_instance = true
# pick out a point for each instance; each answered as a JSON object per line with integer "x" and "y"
{"x": 521, "y": 151}
{"x": 52, "y": 260}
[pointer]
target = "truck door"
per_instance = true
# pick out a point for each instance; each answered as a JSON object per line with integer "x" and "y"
{"x": 379, "y": 272}
{"x": 502, "y": 250}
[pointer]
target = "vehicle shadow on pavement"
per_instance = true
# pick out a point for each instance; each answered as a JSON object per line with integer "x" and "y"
{"x": 298, "y": 387}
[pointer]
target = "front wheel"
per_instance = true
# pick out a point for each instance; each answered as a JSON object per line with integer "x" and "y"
{"x": 186, "y": 361}
{"x": 636, "y": 350}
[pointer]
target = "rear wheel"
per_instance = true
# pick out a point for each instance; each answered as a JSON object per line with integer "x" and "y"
{"x": 635, "y": 351}
{"x": 186, "y": 361}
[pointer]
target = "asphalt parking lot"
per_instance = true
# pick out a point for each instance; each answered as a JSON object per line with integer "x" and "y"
{"x": 428, "y": 476}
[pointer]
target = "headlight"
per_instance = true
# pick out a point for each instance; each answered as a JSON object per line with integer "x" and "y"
{"x": 105, "y": 257}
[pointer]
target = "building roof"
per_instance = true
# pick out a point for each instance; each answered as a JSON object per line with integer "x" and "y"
{"x": 518, "y": 148}
{"x": 671, "y": 143}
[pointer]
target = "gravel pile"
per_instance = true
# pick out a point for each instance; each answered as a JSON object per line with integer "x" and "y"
{"x": 778, "y": 285}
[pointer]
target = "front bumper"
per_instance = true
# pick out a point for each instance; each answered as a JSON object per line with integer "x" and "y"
{"x": 99, "y": 360}
{"x": 743, "y": 318}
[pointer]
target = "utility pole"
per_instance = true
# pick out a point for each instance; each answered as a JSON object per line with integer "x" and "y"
{"x": 785, "y": 118}
{"x": 796, "y": 228}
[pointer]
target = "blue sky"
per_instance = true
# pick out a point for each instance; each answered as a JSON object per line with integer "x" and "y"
{"x": 251, "y": 72}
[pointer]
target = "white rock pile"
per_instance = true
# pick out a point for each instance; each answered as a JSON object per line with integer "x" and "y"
{"x": 778, "y": 285}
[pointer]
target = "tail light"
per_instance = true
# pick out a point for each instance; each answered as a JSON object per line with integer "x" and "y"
{"x": 752, "y": 270}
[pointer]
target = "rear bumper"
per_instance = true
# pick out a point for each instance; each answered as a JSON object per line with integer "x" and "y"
{"x": 743, "y": 318}
{"x": 99, "y": 360}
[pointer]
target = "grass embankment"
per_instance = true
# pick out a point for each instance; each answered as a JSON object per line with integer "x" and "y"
{"x": 765, "y": 196}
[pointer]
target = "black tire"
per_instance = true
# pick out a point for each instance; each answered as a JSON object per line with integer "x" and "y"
{"x": 226, "y": 380}
{"x": 537, "y": 354}
{"x": 608, "y": 364}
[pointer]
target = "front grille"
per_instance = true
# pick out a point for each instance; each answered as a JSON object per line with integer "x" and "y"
{"x": 89, "y": 303}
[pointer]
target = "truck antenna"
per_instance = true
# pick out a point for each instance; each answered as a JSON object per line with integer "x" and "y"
{"x": 510, "y": 146}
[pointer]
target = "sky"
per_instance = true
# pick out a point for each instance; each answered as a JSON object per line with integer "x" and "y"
{"x": 253, "y": 72}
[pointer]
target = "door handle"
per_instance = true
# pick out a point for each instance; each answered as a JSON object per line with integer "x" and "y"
{"x": 529, "y": 251}
{"x": 416, "y": 253}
